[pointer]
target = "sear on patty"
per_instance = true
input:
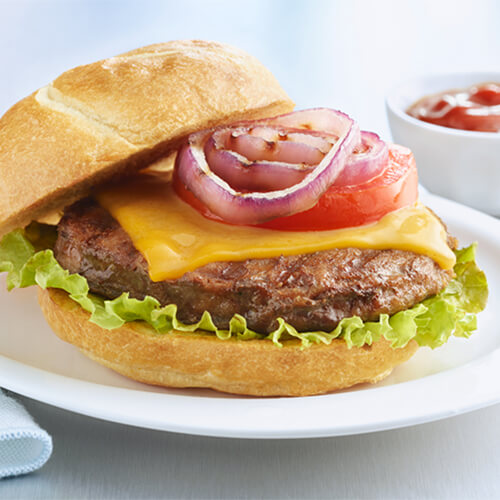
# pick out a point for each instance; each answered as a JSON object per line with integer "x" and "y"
{"x": 310, "y": 291}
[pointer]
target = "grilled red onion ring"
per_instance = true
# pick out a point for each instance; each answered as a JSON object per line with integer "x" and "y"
{"x": 264, "y": 158}
{"x": 366, "y": 162}
{"x": 277, "y": 176}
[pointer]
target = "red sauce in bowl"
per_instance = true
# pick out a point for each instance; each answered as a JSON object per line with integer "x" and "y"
{"x": 476, "y": 108}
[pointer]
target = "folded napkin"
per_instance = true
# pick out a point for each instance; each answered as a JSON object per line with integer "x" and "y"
{"x": 24, "y": 447}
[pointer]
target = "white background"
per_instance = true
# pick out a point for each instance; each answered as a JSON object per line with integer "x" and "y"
{"x": 342, "y": 54}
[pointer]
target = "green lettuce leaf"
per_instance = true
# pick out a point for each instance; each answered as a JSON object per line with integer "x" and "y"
{"x": 430, "y": 323}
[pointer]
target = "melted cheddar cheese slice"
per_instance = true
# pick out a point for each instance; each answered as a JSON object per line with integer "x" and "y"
{"x": 174, "y": 238}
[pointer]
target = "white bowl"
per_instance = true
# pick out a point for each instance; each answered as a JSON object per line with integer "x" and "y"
{"x": 458, "y": 164}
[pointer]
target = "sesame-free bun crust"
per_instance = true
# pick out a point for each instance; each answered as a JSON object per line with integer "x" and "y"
{"x": 251, "y": 367}
{"x": 104, "y": 119}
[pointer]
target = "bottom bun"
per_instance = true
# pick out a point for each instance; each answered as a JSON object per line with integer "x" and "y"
{"x": 251, "y": 367}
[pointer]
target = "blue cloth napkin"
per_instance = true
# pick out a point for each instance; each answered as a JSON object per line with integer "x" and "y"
{"x": 24, "y": 447}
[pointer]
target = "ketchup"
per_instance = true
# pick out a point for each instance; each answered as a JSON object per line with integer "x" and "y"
{"x": 475, "y": 108}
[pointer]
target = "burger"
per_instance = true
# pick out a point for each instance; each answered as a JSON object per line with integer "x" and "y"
{"x": 186, "y": 228}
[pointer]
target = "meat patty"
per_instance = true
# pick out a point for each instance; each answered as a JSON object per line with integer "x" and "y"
{"x": 310, "y": 291}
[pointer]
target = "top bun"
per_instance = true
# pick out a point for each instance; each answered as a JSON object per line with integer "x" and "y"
{"x": 102, "y": 120}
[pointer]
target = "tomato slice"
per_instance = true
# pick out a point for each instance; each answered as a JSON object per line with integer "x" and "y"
{"x": 348, "y": 206}
{"x": 345, "y": 206}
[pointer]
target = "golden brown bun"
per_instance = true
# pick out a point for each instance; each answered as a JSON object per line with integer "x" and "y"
{"x": 97, "y": 121}
{"x": 253, "y": 367}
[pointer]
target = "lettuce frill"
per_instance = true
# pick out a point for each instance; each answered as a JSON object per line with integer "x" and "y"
{"x": 430, "y": 323}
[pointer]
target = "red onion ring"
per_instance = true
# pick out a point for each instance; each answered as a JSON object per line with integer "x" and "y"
{"x": 366, "y": 163}
{"x": 238, "y": 164}
{"x": 253, "y": 207}
{"x": 236, "y": 155}
{"x": 275, "y": 144}
{"x": 243, "y": 175}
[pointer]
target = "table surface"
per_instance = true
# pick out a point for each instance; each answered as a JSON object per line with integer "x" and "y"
{"x": 326, "y": 53}
{"x": 454, "y": 458}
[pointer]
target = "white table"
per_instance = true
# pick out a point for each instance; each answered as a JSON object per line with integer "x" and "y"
{"x": 338, "y": 54}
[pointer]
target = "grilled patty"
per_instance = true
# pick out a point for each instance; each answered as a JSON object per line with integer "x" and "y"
{"x": 310, "y": 291}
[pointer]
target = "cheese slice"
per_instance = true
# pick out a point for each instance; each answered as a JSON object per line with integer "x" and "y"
{"x": 174, "y": 238}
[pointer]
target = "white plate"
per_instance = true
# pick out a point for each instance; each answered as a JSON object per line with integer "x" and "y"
{"x": 462, "y": 376}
